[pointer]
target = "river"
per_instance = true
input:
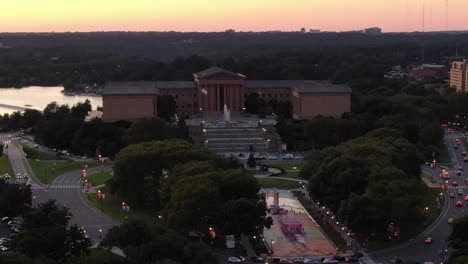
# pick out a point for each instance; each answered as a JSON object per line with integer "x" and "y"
{"x": 38, "y": 97}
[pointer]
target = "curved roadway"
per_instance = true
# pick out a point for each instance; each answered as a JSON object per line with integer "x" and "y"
{"x": 66, "y": 190}
{"x": 416, "y": 249}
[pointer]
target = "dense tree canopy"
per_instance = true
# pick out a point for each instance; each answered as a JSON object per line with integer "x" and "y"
{"x": 139, "y": 168}
{"x": 15, "y": 199}
{"x": 369, "y": 180}
{"x": 45, "y": 232}
{"x": 156, "y": 244}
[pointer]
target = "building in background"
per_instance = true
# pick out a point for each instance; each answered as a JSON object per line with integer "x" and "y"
{"x": 214, "y": 88}
{"x": 458, "y": 75}
{"x": 373, "y": 31}
{"x": 430, "y": 71}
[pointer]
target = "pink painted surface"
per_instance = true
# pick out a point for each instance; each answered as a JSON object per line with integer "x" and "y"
{"x": 316, "y": 243}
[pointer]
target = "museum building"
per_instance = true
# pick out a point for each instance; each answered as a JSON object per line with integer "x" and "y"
{"x": 214, "y": 88}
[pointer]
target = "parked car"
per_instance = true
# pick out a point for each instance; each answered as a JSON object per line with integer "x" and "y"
{"x": 298, "y": 260}
{"x": 256, "y": 259}
{"x": 234, "y": 260}
{"x": 5, "y": 219}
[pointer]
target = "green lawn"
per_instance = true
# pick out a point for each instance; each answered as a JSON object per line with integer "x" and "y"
{"x": 412, "y": 229}
{"x": 112, "y": 206}
{"x": 47, "y": 171}
{"x": 33, "y": 153}
{"x": 292, "y": 170}
{"x": 444, "y": 158}
{"x": 429, "y": 177}
{"x": 278, "y": 183}
{"x": 5, "y": 166}
{"x": 99, "y": 178}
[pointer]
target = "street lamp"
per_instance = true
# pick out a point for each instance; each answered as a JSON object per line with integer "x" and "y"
{"x": 125, "y": 209}
{"x": 100, "y": 236}
{"x": 426, "y": 211}
{"x": 101, "y": 197}
{"x": 34, "y": 201}
{"x": 101, "y": 160}
{"x": 271, "y": 249}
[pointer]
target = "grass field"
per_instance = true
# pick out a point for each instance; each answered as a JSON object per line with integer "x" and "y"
{"x": 444, "y": 158}
{"x": 292, "y": 170}
{"x": 429, "y": 177}
{"x": 278, "y": 183}
{"x": 33, "y": 153}
{"x": 47, "y": 171}
{"x": 5, "y": 166}
{"x": 99, "y": 178}
{"x": 112, "y": 206}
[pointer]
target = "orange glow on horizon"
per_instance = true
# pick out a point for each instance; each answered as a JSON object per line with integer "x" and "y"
{"x": 241, "y": 15}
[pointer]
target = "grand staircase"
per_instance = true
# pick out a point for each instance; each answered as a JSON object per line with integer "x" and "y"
{"x": 234, "y": 139}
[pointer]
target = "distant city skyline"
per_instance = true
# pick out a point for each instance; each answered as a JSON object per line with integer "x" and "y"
{"x": 240, "y": 15}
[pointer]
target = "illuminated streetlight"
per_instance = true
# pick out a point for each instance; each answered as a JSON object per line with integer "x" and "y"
{"x": 100, "y": 236}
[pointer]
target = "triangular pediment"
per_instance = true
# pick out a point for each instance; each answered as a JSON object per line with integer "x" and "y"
{"x": 215, "y": 73}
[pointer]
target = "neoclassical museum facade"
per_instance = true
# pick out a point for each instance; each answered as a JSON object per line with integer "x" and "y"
{"x": 213, "y": 88}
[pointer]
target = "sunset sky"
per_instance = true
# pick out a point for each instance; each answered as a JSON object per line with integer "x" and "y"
{"x": 219, "y": 15}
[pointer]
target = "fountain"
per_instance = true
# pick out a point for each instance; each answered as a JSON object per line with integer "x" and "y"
{"x": 226, "y": 114}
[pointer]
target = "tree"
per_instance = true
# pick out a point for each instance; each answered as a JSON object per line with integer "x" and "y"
{"x": 15, "y": 199}
{"x": 166, "y": 106}
{"x": 148, "y": 129}
{"x": 138, "y": 168}
{"x": 251, "y": 103}
{"x": 159, "y": 245}
{"x": 45, "y": 233}
{"x": 251, "y": 161}
{"x": 245, "y": 216}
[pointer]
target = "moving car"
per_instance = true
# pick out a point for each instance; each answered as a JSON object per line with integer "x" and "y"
{"x": 459, "y": 173}
{"x": 450, "y": 220}
{"x": 459, "y": 203}
{"x": 452, "y": 195}
{"x": 454, "y": 183}
{"x": 465, "y": 159}
{"x": 428, "y": 240}
{"x": 18, "y": 176}
{"x": 463, "y": 153}
{"x": 330, "y": 261}
{"x": 466, "y": 198}
{"x": 460, "y": 168}
{"x": 460, "y": 192}
{"x": 466, "y": 181}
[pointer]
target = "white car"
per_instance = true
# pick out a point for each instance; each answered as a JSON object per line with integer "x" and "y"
{"x": 2, "y": 248}
{"x": 330, "y": 261}
{"x": 234, "y": 260}
{"x": 18, "y": 176}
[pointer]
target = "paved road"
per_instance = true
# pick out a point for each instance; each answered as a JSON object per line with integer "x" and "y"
{"x": 416, "y": 249}
{"x": 66, "y": 190}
